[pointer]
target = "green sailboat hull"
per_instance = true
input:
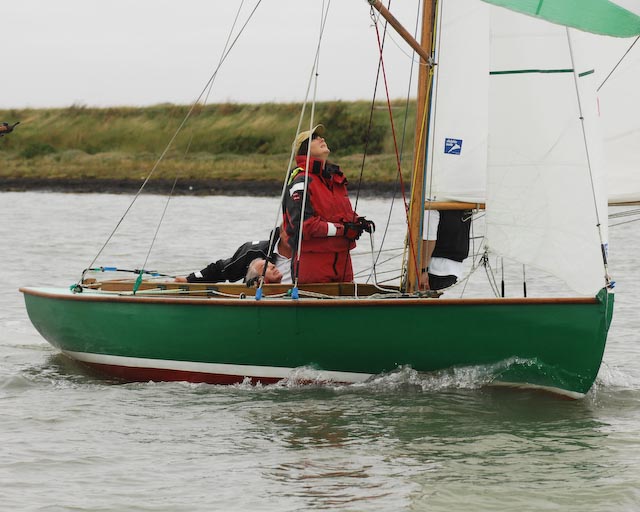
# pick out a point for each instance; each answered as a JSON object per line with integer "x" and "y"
{"x": 549, "y": 343}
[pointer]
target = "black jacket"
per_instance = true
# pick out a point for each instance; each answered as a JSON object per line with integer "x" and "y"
{"x": 235, "y": 268}
{"x": 453, "y": 235}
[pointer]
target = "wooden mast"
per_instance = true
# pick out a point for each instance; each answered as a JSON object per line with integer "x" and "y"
{"x": 423, "y": 49}
{"x": 419, "y": 156}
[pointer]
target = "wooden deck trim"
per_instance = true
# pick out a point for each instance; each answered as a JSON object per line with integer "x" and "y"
{"x": 333, "y": 289}
{"x": 452, "y": 205}
{"x": 306, "y": 302}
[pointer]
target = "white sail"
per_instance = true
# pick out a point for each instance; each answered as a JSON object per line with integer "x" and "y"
{"x": 458, "y": 140}
{"x": 461, "y": 113}
{"x": 619, "y": 99}
{"x": 545, "y": 178}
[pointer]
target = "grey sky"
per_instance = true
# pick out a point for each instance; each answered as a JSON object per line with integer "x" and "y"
{"x": 143, "y": 52}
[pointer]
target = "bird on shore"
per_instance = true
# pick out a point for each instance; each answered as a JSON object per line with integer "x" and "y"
{"x": 7, "y": 128}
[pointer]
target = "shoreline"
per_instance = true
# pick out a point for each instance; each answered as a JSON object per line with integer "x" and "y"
{"x": 185, "y": 187}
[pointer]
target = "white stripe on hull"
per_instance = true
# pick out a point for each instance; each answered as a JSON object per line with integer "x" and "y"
{"x": 277, "y": 372}
{"x": 274, "y": 372}
{"x": 556, "y": 391}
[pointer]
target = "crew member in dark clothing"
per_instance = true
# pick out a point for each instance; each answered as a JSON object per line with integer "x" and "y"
{"x": 235, "y": 268}
{"x": 445, "y": 246}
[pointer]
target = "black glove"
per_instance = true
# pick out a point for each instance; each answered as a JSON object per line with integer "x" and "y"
{"x": 352, "y": 230}
{"x": 366, "y": 225}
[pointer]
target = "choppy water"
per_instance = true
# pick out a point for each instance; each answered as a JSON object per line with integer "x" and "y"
{"x": 403, "y": 442}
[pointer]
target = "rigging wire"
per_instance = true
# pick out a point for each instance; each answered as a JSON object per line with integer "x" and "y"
{"x": 395, "y": 142}
{"x": 316, "y": 66}
{"x": 617, "y": 64}
{"x": 418, "y": 143}
{"x": 588, "y": 158}
{"x": 313, "y": 79}
{"x": 421, "y": 137}
{"x": 625, "y": 222}
{"x": 175, "y": 181}
{"x": 365, "y": 152}
{"x": 373, "y": 271}
{"x": 405, "y": 120}
{"x": 428, "y": 175}
{"x": 371, "y": 110}
{"x": 164, "y": 212}
{"x": 290, "y": 167}
{"x": 173, "y": 138}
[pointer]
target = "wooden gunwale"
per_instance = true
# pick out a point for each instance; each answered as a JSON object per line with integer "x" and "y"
{"x": 309, "y": 302}
{"x": 452, "y": 205}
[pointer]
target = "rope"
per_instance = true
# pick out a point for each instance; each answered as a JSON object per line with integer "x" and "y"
{"x": 386, "y": 33}
{"x": 175, "y": 135}
{"x": 312, "y": 79}
{"x": 292, "y": 155}
{"x": 373, "y": 271}
{"x": 589, "y": 166}
{"x": 371, "y": 108}
{"x": 175, "y": 181}
{"x": 395, "y": 141}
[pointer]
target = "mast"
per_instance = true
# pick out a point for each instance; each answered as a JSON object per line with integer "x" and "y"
{"x": 423, "y": 49}
{"x": 423, "y": 110}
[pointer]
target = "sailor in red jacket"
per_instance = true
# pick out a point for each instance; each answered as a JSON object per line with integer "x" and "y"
{"x": 330, "y": 227}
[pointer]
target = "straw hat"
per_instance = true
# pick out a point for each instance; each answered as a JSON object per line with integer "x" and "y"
{"x": 302, "y": 136}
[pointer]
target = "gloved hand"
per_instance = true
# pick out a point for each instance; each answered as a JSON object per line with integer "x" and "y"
{"x": 352, "y": 230}
{"x": 367, "y": 225}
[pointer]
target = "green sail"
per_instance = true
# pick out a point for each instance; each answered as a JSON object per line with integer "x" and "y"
{"x": 596, "y": 16}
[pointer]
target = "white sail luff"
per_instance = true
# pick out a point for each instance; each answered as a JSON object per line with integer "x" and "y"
{"x": 461, "y": 88}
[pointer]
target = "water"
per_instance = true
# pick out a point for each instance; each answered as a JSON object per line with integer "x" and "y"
{"x": 404, "y": 442}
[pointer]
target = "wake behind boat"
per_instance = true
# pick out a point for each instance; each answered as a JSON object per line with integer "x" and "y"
{"x": 512, "y": 144}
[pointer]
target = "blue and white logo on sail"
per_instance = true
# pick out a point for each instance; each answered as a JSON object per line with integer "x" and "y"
{"x": 452, "y": 146}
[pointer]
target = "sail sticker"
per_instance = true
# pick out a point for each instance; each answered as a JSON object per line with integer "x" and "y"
{"x": 452, "y": 146}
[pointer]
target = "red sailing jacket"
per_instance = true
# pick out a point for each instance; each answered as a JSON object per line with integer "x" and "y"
{"x": 327, "y": 208}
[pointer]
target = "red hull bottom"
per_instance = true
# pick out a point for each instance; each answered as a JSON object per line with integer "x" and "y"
{"x": 136, "y": 374}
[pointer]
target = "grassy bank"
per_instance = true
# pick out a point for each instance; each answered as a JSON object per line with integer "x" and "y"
{"x": 219, "y": 142}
